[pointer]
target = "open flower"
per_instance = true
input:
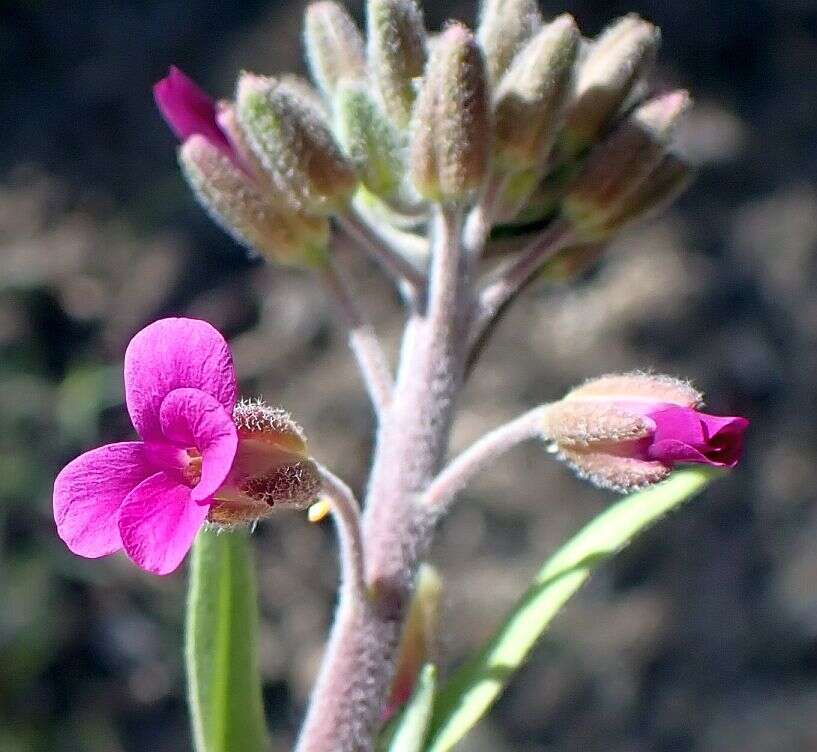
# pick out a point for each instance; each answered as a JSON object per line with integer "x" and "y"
{"x": 624, "y": 431}
{"x": 201, "y": 456}
{"x": 150, "y": 497}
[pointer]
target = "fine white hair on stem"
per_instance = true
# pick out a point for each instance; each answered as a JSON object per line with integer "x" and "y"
{"x": 363, "y": 340}
{"x": 346, "y": 511}
{"x": 463, "y": 468}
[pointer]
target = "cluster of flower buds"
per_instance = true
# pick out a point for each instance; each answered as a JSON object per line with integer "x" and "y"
{"x": 625, "y": 431}
{"x": 557, "y": 126}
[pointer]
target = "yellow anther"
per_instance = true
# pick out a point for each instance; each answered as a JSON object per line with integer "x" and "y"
{"x": 319, "y": 510}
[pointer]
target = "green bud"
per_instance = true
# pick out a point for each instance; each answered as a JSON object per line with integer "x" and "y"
{"x": 334, "y": 46}
{"x": 504, "y": 26}
{"x": 530, "y": 97}
{"x": 247, "y": 211}
{"x": 617, "y": 168}
{"x": 451, "y": 129}
{"x": 290, "y": 137}
{"x": 367, "y": 138}
{"x": 613, "y": 64}
{"x": 397, "y": 54}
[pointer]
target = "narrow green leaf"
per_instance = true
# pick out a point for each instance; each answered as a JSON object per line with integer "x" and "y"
{"x": 469, "y": 694}
{"x": 408, "y": 731}
{"x": 224, "y": 687}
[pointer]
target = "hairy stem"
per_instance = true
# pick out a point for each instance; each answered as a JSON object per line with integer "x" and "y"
{"x": 460, "y": 471}
{"x": 511, "y": 278}
{"x": 409, "y": 279}
{"x": 346, "y": 512}
{"x": 358, "y": 667}
{"x": 363, "y": 341}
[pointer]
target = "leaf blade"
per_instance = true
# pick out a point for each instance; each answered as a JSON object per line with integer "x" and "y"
{"x": 468, "y": 695}
{"x": 224, "y": 688}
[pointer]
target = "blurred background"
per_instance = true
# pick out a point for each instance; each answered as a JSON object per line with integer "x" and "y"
{"x": 702, "y": 636}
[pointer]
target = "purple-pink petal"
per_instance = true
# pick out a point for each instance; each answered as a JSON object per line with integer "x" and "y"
{"x": 191, "y": 417}
{"x": 686, "y": 435}
{"x": 89, "y": 492}
{"x": 174, "y": 354}
{"x": 158, "y": 522}
{"x": 188, "y": 110}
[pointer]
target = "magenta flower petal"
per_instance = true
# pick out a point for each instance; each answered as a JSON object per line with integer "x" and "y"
{"x": 193, "y": 418}
{"x": 89, "y": 492}
{"x": 686, "y": 435}
{"x": 158, "y": 522}
{"x": 188, "y": 110}
{"x": 173, "y": 354}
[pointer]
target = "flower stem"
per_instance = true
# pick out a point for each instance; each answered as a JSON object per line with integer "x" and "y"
{"x": 363, "y": 340}
{"x": 460, "y": 471}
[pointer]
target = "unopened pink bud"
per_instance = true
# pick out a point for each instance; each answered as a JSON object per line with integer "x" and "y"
{"x": 504, "y": 26}
{"x": 624, "y": 431}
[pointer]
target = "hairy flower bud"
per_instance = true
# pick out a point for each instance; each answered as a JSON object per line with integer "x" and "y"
{"x": 334, "y": 46}
{"x": 504, "y": 26}
{"x": 625, "y": 431}
{"x": 271, "y": 469}
{"x": 367, "y": 138}
{"x": 451, "y": 124}
{"x": 290, "y": 137}
{"x": 235, "y": 200}
{"x": 397, "y": 54}
{"x": 531, "y": 94}
{"x": 617, "y": 168}
{"x": 615, "y": 61}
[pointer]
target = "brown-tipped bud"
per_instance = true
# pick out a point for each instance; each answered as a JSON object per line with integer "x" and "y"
{"x": 367, "y": 138}
{"x": 334, "y": 46}
{"x": 617, "y": 168}
{"x": 271, "y": 469}
{"x": 613, "y": 64}
{"x": 625, "y": 431}
{"x": 660, "y": 188}
{"x": 451, "y": 130}
{"x": 530, "y": 97}
{"x": 397, "y": 54}
{"x": 417, "y": 643}
{"x": 504, "y": 26}
{"x": 247, "y": 210}
{"x": 292, "y": 141}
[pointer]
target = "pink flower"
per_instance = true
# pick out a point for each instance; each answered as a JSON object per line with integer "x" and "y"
{"x": 150, "y": 497}
{"x": 682, "y": 434}
{"x": 189, "y": 111}
{"x": 624, "y": 431}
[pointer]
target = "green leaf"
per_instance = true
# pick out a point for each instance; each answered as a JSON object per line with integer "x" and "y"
{"x": 224, "y": 687}
{"x": 469, "y": 694}
{"x": 408, "y": 732}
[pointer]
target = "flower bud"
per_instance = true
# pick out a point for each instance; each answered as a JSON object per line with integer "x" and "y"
{"x": 531, "y": 94}
{"x": 618, "y": 167}
{"x": 504, "y": 26}
{"x": 397, "y": 54}
{"x": 334, "y": 46}
{"x": 451, "y": 124}
{"x": 613, "y": 64}
{"x": 656, "y": 191}
{"x": 249, "y": 213}
{"x": 367, "y": 138}
{"x": 625, "y": 431}
{"x": 271, "y": 469}
{"x": 290, "y": 137}
{"x": 417, "y": 643}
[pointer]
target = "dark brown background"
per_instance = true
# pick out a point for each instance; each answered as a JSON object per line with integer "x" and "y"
{"x": 702, "y": 636}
